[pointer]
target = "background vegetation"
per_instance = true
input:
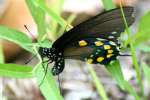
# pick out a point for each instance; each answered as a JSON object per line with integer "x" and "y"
{"x": 39, "y": 10}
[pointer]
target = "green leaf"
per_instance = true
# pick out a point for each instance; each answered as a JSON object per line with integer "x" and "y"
{"x": 15, "y": 71}
{"x": 54, "y": 15}
{"x": 45, "y": 43}
{"x": 144, "y": 22}
{"x": 115, "y": 70}
{"x": 108, "y": 4}
{"x": 48, "y": 87}
{"x": 144, "y": 47}
{"x": 134, "y": 56}
{"x": 70, "y": 19}
{"x": 146, "y": 70}
{"x": 98, "y": 83}
{"x": 38, "y": 14}
{"x": 15, "y": 36}
{"x": 57, "y": 6}
{"x": 143, "y": 33}
{"x": 1, "y": 54}
{"x": 141, "y": 37}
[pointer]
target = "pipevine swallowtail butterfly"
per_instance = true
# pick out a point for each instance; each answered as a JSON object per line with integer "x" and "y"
{"x": 94, "y": 40}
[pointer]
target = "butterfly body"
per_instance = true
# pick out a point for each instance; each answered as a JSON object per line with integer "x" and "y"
{"x": 94, "y": 41}
{"x": 53, "y": 56}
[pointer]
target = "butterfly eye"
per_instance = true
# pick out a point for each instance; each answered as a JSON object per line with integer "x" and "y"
{"x": 44, "y": 52}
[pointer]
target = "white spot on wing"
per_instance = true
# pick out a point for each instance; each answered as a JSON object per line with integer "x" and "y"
{"x": 114, "y": 32}
{"x": 111, "y": 37}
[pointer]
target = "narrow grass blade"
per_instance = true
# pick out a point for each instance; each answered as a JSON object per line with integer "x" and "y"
{"x": 115, "y": 70}
{"x": 38, "y": 14}
{"x": 15, "y": 36}
{"x": 146, "y": 70}
{"x": 15, "y": 71}
{"x": 48, "y": 87}
{"x": 98, "y": 84}
{"x": 56, "y": 6}
{"x": 1, "y": 54}
{"x": 134, "y": 56}
{"x": 54, "y": 15}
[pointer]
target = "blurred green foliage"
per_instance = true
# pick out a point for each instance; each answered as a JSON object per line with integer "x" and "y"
{"x": 39, "y": 9}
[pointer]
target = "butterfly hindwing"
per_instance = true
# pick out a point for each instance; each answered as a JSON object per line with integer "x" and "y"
{"x": 58, "y": 66}
{"x": 93, "y": 50}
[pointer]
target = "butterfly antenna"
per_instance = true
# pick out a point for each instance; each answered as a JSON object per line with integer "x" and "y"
{"x": 125, "y": 55}
{"x": 59, "y": 82}
{"x": 30, "y": 59}
{"x": 34, "y": 38}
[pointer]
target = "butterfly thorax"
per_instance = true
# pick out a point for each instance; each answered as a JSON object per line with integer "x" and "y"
{"x": 49, "y": 53}
{"x": 53, "y": 56}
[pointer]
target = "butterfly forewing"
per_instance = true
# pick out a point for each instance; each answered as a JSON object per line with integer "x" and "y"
{"x": 100, "y": 26}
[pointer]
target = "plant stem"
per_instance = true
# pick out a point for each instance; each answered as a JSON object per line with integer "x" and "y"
{"x": 1, "y": 54}
{"x": 108, "y": 4}
{"x": 98, "y": 84}
{"x": 134, "y": 57}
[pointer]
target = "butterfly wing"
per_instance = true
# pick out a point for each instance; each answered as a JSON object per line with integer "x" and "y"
{"x": 93, "y": 50}
{"x": 107, "y": 25}
{"x": 94, "y": 40}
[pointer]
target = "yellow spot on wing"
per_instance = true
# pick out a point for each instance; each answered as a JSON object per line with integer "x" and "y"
{"x": 107, "y": 47}
{"x": 110, "y": 51}
{"x": 90, "y": 60}
{"x": 98, "y": 43}
{"x": 100, "y": 59}
{"x": 82, "y": 43}
{"x": 109, "y": 55}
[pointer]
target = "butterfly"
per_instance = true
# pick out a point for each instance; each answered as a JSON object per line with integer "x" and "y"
{"x": 94, "y": 40}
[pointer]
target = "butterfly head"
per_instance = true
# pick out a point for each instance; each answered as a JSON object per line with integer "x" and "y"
{"x": 53, "y": 56}
{"x": 50, "y": 53}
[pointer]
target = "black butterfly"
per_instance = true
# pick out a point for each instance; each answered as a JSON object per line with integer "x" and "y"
{"x": 94, "y": 40}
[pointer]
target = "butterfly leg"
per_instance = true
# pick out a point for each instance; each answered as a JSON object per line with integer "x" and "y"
{"x": 59, "y": 83}
{"x": 49, "y": 61}
{"x": 45, "y": 70}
